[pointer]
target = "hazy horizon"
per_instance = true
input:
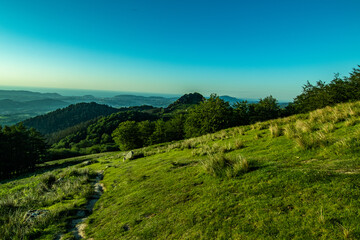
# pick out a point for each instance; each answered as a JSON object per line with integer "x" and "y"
{"x": 107, "y": 94}
{"x": 243, "y": 49}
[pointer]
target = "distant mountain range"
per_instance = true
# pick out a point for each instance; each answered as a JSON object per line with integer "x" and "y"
{"x": 18, "y": 105}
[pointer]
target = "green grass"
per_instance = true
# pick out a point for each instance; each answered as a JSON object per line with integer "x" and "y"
{"x": 59, "y": 193}
{"x": 292, "y": 178}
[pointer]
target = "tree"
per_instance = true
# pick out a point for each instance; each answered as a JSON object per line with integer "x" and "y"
{"x": 267, "y": 108}
{"x": 209, "y": 116}
{"x": 126, "y": 136}
{"x": 174, "y": 128}
{"x": 242, "y": 113}
{"x": 159, "y": 134}
{"x": 146, "y": 129}
{"x": 20, "y": 149}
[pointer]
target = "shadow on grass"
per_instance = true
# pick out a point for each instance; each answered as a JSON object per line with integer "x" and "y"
{"x": 46, "y": 167}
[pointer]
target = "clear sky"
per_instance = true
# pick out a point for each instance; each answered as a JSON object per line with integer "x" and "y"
{"x": 250, "y": 48}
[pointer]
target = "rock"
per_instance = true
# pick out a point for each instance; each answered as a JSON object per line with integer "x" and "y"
{"x": 86, "y": 163}
{"x": 129, "y": 155}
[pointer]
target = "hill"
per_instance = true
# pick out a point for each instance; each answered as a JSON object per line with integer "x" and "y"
{"x": 185, "y": 101}
{"x": 69, "y": 116}
{"x": 296, "y": 177}
{"x": 96, "y": 135}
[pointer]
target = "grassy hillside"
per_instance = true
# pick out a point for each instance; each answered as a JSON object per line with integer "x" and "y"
{"x": 296, "y": 177}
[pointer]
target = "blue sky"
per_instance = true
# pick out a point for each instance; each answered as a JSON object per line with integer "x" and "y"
{"x": 247, "y": 49}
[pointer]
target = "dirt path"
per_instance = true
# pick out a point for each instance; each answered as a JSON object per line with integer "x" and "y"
{"x": 77, "y": 225}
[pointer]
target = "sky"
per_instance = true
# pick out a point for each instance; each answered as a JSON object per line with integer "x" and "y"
{"x": 243, "y": 48}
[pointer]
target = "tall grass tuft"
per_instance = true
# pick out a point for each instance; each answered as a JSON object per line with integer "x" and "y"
{"x": 312, "y": 141}
{"x": 303, "y": 126}
{"x": 328, "y": 127}
{"x": 220, "y": 165}
{"x": 275, "y": 131}
{"x": 289, "y": 130}
{"x": 351, "y": 122}
{"x": 240, "y": 165}
{"x": 239, "y": 144}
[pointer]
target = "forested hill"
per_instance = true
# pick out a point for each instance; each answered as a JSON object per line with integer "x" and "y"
{"x": 185, "y": 101}
{"x": 69, "y": 116}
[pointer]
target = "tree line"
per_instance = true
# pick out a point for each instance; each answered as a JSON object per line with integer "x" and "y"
{"x": 20, "y": 149}
{"x": 322, "y": 94}
{"x": 214, "y": 114}
{"x": 211, "y": 115}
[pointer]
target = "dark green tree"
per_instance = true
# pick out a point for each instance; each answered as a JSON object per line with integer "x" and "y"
{"x": 159, "y": 134}
{"x": 242, "y": 113}
{"x": 146, "y": 129}
{"x": 209, "y": 116}
{"x": 267, "y": 108}
{"x": 126, "y": 136}
{"x": 20, "y": 149}
{"x": 174, "y": 128}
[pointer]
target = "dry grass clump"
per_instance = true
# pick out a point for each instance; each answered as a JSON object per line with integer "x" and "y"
{"x": 351, "y": 122}
{"x": 328, "y": 127}
{"x": 303, "y": 126}
{"x": 289, "y": 130}
{"x": 319, "y": 115}
{"x": 239, "y": 144}
{"x": 240, "y": 165}
{"x": 312, "y": 141}
{"x": 223, "y": 135}
{"x": 219, "y": 165}
{"x": 275, "y": 131}
{"x": 188, "y": 144}
{"x": 260, "y": 126}
{"x": 258, "y": 136}
{"x": 241, "y": 131}
{"x": 349, "y": 145}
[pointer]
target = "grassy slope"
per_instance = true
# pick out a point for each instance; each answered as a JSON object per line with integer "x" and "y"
{"x": 303, "y": 183}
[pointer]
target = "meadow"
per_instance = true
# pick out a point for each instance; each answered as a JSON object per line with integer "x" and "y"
{"x": 289, "y": 178}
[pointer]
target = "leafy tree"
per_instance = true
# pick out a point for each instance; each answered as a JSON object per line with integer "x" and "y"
{"x": 20, "y": 149}
{"x": 242, "y": 113}
{"x": 174, "y": 128}
{"x": 267, "y": 108}
{"x": 209, "y": 116}
{"x": 126, "y": 135}
{"x": 321, "y": 95}
{"x": 146, "y": 129}
{"x": 159, "y": 134}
